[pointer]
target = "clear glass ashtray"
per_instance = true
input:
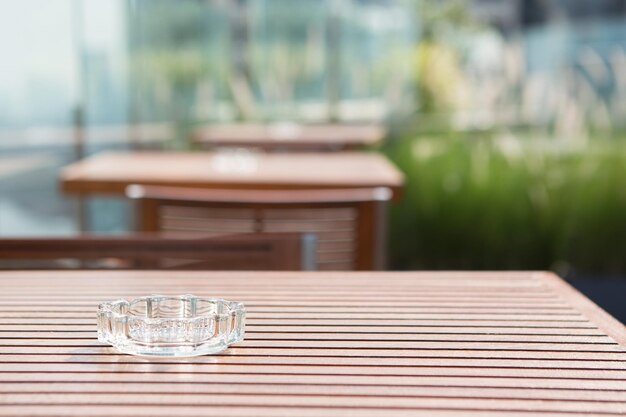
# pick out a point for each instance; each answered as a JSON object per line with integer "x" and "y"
{"x": 160, "y": 325}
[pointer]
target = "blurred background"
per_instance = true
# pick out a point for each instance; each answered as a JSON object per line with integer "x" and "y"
{"x": 507, "y": 118}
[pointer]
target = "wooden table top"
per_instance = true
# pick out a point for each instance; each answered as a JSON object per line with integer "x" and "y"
{"x": 331, "y": 344}
{"x": 290, "y": 135}
{"x": 112, "y": 172}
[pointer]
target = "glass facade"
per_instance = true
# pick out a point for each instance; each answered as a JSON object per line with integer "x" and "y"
{"x": 87, "y": 76}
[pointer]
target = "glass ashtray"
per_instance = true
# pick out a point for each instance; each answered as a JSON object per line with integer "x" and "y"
{"x": 160, "y": 325}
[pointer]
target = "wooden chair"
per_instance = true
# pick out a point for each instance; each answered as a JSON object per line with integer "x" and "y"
{"x": 349, "y": 223}
{"x": 275, "y": 251}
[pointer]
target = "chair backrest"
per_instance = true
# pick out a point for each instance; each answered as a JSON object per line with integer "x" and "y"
{"x": 350, "y": 224}
{"x": 275, "y": 251}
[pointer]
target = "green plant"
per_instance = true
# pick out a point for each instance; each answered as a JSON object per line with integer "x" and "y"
{"x": 510, "y": 204}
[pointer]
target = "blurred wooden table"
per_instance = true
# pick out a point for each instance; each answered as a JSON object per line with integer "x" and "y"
{"x": 332, "y": 344}
{"x": 110, "y": 173}
{"x": 290, "y": 136}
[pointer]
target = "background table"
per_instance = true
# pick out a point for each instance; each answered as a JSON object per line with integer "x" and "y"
{"x": 334, "y": 344}
{"x": 111, "y": 172}
{"x": 289, "y": 136}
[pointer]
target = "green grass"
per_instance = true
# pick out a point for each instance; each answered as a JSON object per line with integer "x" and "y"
{"x": 485, "y": 204}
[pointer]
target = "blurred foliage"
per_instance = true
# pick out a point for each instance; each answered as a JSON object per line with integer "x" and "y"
{"x": 541, "y": 199}
{"x": 439, "y": 73}
{"x": 438, "y": 70}
{"x": 444, "y": 19}
{"x": 519, "y": 193}
{"x": 177, "y": 24}
{"x": 181, "y": 68}
{"x": 265, "y": 60}
{"x": 483, "y": 203}
{"x": 172, "y": 60}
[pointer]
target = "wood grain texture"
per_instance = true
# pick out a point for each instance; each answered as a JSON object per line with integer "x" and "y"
{"x": 111, "y": 173}
{"x": 319, "y": 344}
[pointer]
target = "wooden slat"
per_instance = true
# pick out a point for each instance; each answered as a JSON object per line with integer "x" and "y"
{"x": 309, "y": 401}
{"x": 121, "y": 377}
{"x": 338, "y": 330}
{"x": 332, "y": 344}
{"x": 46, "y": 387}
{"x": 388, "y": 362}
{"x": 231, "y": 410}
{"x": 378, "y": 337}
{"x": 351, "y": 353}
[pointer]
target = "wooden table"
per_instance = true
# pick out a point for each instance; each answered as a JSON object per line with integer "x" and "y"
{"x": 331, "y": 344}
{"x": 110, "y": 173}
{"x": 290, "y": 136}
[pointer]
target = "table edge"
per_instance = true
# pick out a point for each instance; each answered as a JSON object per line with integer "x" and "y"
{"x": 606, "y": 322}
